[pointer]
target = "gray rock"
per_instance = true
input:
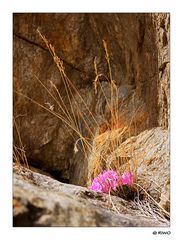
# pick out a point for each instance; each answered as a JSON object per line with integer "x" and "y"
{"x": 39, "y": 200}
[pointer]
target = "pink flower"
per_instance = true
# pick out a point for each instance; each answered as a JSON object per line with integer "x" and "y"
{"x": 106, "y": 181}
{"x": 127, "y": 178}
{"x": 110, "y": 180}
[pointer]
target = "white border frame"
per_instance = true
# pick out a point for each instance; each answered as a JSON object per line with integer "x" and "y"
{"x": 7, "y": 7}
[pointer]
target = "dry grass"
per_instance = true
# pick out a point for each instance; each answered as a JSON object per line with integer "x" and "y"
{"x": 98, "y": 145}
{"x": 19, "y": 155}
{"x": 70, "y": 118}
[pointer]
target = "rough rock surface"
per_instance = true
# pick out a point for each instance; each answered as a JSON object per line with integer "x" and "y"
{"x": 162, "y": 25}
{"x": 147, "y": 155}
{"x": 39, "y": 200}
{"x": 138, "y": 46}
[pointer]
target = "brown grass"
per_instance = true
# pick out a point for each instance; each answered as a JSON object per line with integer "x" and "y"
{"x": 70, "y": 118}
{"x": 99, "y": 144}
{"x": 19, "y": 155}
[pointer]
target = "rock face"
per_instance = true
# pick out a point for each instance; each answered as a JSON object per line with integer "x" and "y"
{"x": 162, "y": 24}
{"x": 41, "y": 201}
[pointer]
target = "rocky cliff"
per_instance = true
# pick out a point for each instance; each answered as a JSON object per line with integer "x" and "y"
{"x": 105, "y": 104}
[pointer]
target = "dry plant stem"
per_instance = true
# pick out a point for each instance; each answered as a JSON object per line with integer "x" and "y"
{"x": 108, "y": 59}
{"x": 135, "y": 162}
{"x": 61, "y": 69}
{"x": 68, "y": 124}
{"x": 111, "y": 82}
{"x": 67, "y": 113}
{"x": 135, "y": 122}
{"x": 112, "y": 85}
{"x": 157, "y": 189}
{"x": 68, "y": 84}
{"x": 97, "y": 75}
{"x": 67, "y": 88}
{"x": 85, "y": 142}
{"x": 143, "y": 207}
{"x": 60, "y": 66}
{"x": 114, "y": 95}
{"x": 81, "y": 114}
{"x": 64, "y": 108}
{"x": 113, "y": 105}
{"x": 17, "y": 154}
{"x": 52, "y": 112}
{"x": 114, "y": 207}
{"x": 90, "y": 113}
{"x": 20, "y": 151}
{"x": 148, "y": 211}
{"x": 133, "y": 119}
{"x": 157, "y": 204}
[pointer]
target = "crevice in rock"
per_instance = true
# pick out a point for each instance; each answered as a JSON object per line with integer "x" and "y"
{"x": 25, "y": 219}
{"x": 55, "y": 174}
{"x": 29, "y": 41}
{"x": 45, "y": 49}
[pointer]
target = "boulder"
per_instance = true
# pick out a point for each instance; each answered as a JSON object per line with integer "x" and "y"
{"x": 146, "y": 155}
{"x": 41, "y": 201}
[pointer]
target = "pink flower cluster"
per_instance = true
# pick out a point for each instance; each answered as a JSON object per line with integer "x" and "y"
{"x": 110, "y": 180}
{"x": 127, "y": 178}
{"x": 106, "y": 181}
